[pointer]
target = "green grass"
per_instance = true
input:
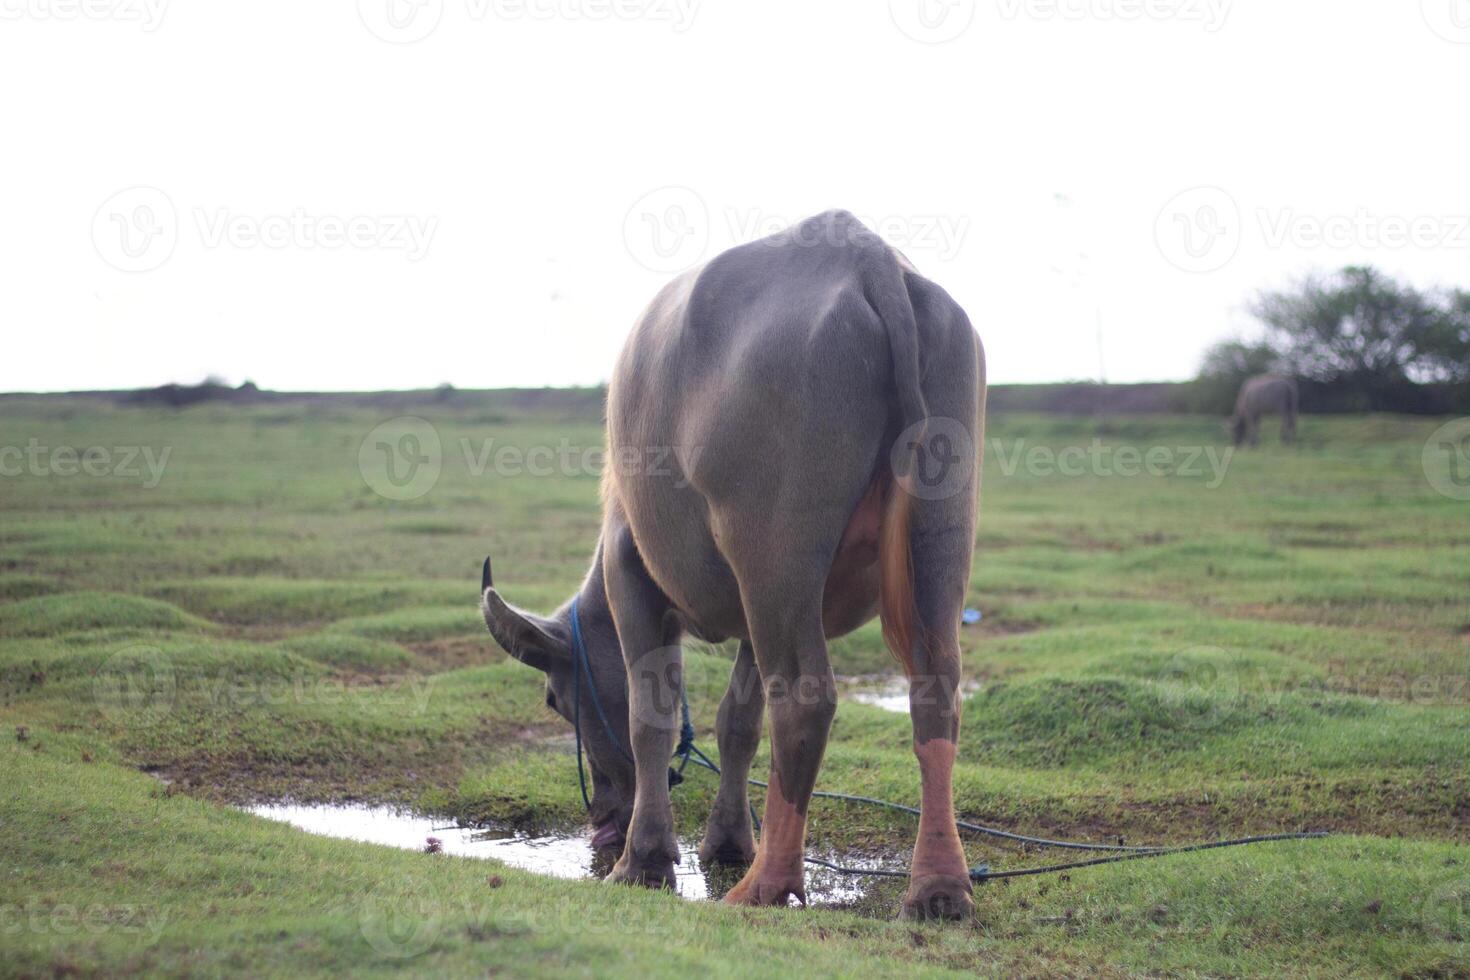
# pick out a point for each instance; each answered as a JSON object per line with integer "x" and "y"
{"x": 1283, "y": 645}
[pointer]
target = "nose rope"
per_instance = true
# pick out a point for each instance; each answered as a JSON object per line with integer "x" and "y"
{"x": 583, "y": 664}
{"x": 686, "y": 751}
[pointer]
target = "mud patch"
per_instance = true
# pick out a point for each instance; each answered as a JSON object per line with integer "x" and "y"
{"x": 567, "y": 854}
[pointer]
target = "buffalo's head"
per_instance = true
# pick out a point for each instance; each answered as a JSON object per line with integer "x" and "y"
{"x": 545, "y": 643}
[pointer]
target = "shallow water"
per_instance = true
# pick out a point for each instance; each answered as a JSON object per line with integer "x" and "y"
{"x": 891, "y": 694}
{"x": 562, "y": 855}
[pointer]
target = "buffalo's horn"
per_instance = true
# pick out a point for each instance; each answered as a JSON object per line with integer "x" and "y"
{"x": 485, "y": 581}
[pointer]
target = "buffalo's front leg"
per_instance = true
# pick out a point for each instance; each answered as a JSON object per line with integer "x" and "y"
{"x": 730, "y": 838}
{"x": 655, "y": 663}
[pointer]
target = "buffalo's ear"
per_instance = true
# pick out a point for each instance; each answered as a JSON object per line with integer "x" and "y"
{"x": 533, "y": 640}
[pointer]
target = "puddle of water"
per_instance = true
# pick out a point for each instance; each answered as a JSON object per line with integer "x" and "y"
{"x": 893, "y": 694}
{"x": 561, "y": 855}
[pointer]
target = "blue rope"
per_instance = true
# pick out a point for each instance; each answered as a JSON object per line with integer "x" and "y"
{"x": 686, "y": 751}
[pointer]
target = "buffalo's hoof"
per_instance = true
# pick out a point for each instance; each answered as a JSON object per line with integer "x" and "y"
{"x": 727, "y": 845}
{"x": 763, "y": 889}
{"x": 938, "y": 897}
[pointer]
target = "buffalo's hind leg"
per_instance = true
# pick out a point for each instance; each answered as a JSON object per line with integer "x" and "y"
{"x": 941, "y": 543}
{"x": 939, "y": 882}
{"x": 655, "y": 663}
{"x": 730, "y": 837}
{"x": 783, "y": 607}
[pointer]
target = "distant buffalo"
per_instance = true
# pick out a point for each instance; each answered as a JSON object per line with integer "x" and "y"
{"x": 1265, "y": 394}
{"x": 808, "y": 412}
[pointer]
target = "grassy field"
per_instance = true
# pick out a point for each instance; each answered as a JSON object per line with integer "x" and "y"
{"x": 227, "y": 604}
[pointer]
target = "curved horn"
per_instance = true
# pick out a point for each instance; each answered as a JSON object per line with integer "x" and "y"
{"x": 531, "y": 639}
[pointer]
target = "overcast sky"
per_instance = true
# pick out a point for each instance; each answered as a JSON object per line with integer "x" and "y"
{"x": 376, "y": 194}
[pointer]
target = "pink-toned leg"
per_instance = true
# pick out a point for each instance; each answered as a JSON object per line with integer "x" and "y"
{"x": 776, "y": 874}
{"x": 801, "y": 696}
{"x": 939, "y": 884}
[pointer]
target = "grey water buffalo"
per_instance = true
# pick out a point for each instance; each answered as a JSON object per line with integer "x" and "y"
{"x": 818, "y": 410}
{"x": 1264, "y": 394}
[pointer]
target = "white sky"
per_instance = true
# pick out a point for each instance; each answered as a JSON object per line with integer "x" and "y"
{"x": 526, "y": 143}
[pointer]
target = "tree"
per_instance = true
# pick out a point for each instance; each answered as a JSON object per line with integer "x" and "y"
{"x": 1239, "y": 359}
{"x": 1226, "y": 366}
{"x": 1361, "y": 329}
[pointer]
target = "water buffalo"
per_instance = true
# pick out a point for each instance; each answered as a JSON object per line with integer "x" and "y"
{"x": 1265, "y": 394}
{"x": 815, "y": 408}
